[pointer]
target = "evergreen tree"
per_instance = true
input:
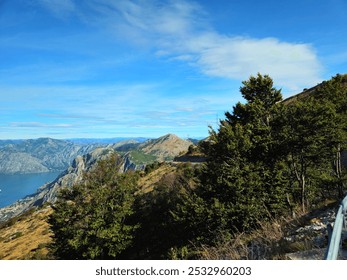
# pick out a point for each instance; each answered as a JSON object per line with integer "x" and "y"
{"x": 306, "y": 139}
{"x": 165, "y": 216}
{"x": 91, "y": 219}
{"x": 334, "y": 94}
{"x": 243, "y": 177}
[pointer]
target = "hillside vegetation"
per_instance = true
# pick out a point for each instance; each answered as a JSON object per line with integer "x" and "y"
{"x": 133, "y": 157}
{"x": 268, "y": 161}
{"x": 29, "y": 236}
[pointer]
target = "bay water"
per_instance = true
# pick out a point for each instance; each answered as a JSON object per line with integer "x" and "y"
{"x": 17, "y": 186}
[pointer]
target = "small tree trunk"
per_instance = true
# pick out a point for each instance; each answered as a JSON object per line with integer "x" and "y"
{"x": 290, "y": 205}
{"x": 300, "y": 176}
{"x": 303, "y": 191}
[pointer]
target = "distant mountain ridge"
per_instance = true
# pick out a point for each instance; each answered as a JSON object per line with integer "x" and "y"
{"x": 39, "y": 155}
{"x": 47, "y": 154}
{"x": 106, "y": 140}
{"x": 165, "y": 147}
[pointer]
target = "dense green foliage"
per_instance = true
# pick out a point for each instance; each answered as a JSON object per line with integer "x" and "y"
{"x": 268, "y": 158}
{"x": 161, "y": 214}
{"x": 91, "y": 220}
{"x": 333, "y": 93}
{"x": 243, "y": 180}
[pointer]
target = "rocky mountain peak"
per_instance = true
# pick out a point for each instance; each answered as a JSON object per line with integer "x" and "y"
{"x": 169, "y": 137}
{"x": 165, "y": 147}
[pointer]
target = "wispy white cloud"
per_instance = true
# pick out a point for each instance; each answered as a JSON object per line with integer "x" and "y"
{"x": 291, "y": 65}
{"x": 184, "y": 109}
{"x": 181, "y": 32}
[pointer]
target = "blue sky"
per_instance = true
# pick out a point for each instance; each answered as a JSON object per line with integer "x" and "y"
{"x": 103, "y": 68}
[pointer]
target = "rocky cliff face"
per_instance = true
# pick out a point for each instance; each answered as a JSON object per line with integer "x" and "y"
{"x": 39, "y": 155}
{"x": 19, "y": 162}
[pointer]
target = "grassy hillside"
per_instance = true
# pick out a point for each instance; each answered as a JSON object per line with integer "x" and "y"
{"x": 165, "y": 147}
{"x": 26, "y": 236}
{"x": 307, "y": 92}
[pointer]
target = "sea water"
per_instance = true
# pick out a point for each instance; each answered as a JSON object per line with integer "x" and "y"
{"x": 17, "y": 186}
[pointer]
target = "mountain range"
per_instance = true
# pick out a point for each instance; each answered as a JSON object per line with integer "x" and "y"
{"x": 165, "y": 147}
{"x": 47, "y": 154}
{"x": 39, "y": 155}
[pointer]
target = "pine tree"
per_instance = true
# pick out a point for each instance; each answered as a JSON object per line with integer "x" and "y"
{"x": 243, "y": 179}
{"x": 91, "y": 219}
{"x": 334, "y": 94}
{"x": 165, "y": 216}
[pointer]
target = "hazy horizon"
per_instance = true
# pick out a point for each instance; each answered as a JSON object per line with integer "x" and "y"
{"x": 100, "y": 138}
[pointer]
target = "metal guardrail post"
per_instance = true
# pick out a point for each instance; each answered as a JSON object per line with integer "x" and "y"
{"x": 335, "y": 238}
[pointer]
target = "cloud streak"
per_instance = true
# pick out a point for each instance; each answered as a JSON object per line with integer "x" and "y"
{"x": 291, "y": 65}
{"x": 180, "y": 31}
{"x": 39, "y": 124}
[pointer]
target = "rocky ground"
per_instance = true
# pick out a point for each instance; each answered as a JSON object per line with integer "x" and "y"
{"x": 311, "y": 238}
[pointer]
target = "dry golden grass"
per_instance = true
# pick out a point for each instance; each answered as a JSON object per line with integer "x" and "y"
{"x": 147, "y": 182}
{"x": 262, "y": 244}
{"x": 27, "y": 238}
{"x": 267, "y": 241}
